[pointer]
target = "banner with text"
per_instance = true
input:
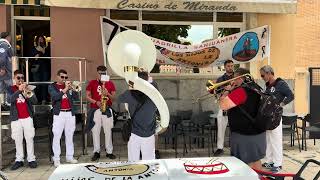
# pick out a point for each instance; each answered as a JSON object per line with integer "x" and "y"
{"x": 241, "y": 47}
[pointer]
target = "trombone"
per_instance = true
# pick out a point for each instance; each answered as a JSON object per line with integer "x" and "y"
{"x": 216, "y": 88}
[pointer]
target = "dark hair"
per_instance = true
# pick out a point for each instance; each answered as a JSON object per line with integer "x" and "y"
{"x": 61, "y": 71}
{"x": 101, "y": 68}
{"x": 37, "y": 39}
{"x": 242, "y": 71}
{"x": 143, "y": 75}
{"x": 227, "y": 62}
{"x": 17, "y": 72}
{"x": 4, "y": 34}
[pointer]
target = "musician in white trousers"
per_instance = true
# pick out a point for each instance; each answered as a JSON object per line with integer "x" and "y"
{"x": 21, "y": 113}
{"x": 142, "y": 112}
{"x": 222, "y": 122}
{"x": 280, "y": 89}
{"x": 96, "y": 119}
{"x": 222, "y": 118}
{"x": 63, "y": 96}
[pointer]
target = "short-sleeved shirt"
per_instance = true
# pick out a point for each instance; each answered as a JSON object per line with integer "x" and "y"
{"x": 65, "y": 103}
{"x": 21, "y": 105}
{"x": 94, "y": 87}
{"x": 238, "y": 96}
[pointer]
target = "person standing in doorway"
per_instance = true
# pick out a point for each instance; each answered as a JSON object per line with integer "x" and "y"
{"x": 280, "y": 89}
{"x": 40, "y": 68}
{"x": 64, "y": 118}
{"x": 96, "y": 118}
{"x": 222, "y": 118}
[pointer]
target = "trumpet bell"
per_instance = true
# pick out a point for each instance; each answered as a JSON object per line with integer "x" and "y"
{"x": 76, "y": 86}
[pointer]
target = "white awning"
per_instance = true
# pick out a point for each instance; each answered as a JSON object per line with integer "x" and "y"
{"x": 257, "y": 6}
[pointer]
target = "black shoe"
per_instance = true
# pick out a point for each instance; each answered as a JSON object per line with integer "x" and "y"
{"x": 218, "y": 152}
{"x": 95, "y": 157}
{"x": 17, "y": 165}
{"x": 157, "y": 154}
{"x": 33, "y": 164}
{"x": 110, "y": 156}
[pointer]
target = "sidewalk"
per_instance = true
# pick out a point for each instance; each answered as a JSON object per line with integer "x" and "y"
{"x": 293, "y": 160}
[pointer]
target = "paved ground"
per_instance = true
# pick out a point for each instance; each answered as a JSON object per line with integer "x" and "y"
{"x": 293, "y": 159}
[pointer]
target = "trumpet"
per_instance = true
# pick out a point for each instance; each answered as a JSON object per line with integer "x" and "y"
{"x": 28, "y": 91}
{"x": 216, "y": 88}
{"x": 75, "y": 85}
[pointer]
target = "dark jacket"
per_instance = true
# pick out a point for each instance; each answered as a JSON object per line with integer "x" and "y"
{"x": 281, "y": 90}
{"x": 6, "y": 53}
{"x": 56, "y": 97}
{"x": 143, "y": 122}
{"x": 12, "y": 97}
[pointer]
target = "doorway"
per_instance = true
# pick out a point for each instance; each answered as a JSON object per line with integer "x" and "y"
{"x": 27, "y": 43}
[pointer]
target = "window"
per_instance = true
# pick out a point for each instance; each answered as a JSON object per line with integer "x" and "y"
{"x": 43, "y": 11}
{"x": 124, "y": 14}
{"x": 176, "y": 16}
{"x": 229, "y": 17}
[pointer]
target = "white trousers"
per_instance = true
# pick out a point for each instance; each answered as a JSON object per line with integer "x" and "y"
{"x": 222, "y": 122}
{"x": 107, "y": 124}
{"x": 274, "y": 146}
{"x": 20, "y": 128}
{"x": 67, "y": 123}
{"x": 144, "y": 144}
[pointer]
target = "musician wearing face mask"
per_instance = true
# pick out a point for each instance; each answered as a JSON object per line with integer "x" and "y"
{"x": 100, "y": 93}
{"x": 21, "y": 114}
{"x": 63, "y": 97}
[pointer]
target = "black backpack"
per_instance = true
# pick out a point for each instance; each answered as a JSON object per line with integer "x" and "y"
{"x": 269, "y": 110}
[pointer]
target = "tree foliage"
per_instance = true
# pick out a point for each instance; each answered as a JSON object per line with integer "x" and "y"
{"x": 169, "y": 33}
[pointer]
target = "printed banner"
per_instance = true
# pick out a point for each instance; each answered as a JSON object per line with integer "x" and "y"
{"x": 241, "y": 47}
{"x": 161, "y": 169}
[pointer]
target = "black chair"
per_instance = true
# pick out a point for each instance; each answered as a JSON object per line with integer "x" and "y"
{"x": 173, "y": 132}
{"x": 289, "y": 124}
{"x": 313, "y": 128}
{"x": 200, "y": 127}
{"x": 266, "y": 175}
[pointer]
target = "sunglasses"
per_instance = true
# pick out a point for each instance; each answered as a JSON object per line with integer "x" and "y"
{"x": 102, "y": 73}
{"x": 64, "y": 77}
{"x": 20, "y": 77}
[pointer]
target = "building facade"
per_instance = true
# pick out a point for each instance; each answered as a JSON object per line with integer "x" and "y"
{"x": 74, "y": 31}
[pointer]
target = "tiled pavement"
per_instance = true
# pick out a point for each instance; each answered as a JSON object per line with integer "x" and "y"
{"x": 293, "y": 159}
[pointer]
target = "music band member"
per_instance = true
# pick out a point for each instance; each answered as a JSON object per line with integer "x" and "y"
{"x": 142, "y": 112}
{"x": 222, "y": 118}
{"x": 21, "y": 114}
{"x": 96, "y": 118}
{"x": 247, "y": 142}
{"x": 284, "y": 95}
{"x": 64, "y": 118}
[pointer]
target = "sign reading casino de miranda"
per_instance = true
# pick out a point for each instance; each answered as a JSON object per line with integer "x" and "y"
{"x": 183, "y": 5}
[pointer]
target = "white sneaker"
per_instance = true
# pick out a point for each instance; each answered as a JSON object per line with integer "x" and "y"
{"x": 72, "y": 161}
{"x": 56, "y": 163}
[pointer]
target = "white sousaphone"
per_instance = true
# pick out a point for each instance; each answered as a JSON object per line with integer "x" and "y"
{"x": 127, "y": 53}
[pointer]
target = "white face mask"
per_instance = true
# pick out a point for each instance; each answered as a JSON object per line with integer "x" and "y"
{"x": 105, "y": 78}
{"x": 150, "y": 80}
